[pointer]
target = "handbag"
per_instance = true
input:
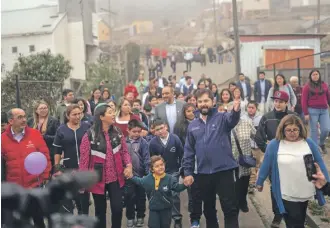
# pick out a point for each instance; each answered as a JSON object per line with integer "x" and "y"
{"x": 247, "y": 161}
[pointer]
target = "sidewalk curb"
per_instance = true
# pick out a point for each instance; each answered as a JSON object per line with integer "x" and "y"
{"x": 258, "y": 208}
{"x": 311, "y": 221}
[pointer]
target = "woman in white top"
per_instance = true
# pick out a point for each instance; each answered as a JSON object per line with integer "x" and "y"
{"x": 281, "y": 84}
{"x": 284, "y": 162}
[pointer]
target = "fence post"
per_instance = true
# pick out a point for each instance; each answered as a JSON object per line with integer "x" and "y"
{"x": 258, "y": 70}
{"x": 274, "y": 70}
{"x": 18, "y": 98}
{"x": 298, "y": 70}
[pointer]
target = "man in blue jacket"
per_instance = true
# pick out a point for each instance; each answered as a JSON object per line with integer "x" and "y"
{"x": 208, "y": 138}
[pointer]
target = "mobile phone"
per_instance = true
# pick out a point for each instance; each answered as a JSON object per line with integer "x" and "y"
{"x": 98, "y": 168}
{"x": 310, "y": 167}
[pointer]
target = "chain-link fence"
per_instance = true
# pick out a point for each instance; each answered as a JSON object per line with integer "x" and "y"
{"x": 23, "y": 94}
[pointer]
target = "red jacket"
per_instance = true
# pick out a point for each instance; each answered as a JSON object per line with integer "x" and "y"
{"x": 155, "y": 52}
{"x": 14, "y": 154}
{"x": 164, "y": 54}
{"x": 131, "y": 88}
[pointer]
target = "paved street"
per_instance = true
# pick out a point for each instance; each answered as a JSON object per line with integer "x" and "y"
{"x": 219, "y": 73}
{"x": 247, "y": 220}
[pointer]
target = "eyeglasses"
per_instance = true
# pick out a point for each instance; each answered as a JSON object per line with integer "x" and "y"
{"x": 295, "y": 130}
{"x": 21, "y": 117}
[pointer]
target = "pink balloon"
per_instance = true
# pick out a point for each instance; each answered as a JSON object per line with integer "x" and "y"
{"x": 35, "y": 163}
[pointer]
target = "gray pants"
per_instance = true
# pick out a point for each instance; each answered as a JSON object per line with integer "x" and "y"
{"x": 176, "y": 215}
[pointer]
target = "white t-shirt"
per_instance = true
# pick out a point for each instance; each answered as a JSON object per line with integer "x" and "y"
{"x": 295, "y": 186}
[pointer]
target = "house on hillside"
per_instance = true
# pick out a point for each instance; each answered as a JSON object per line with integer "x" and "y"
{"x": 265, "y": 50}
{"x": 264, "y": 8}
{"x": 33, "y": 30}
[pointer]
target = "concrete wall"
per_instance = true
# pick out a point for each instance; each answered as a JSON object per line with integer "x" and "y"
{"x": 251, "y": 5}
{"x": 77, "y": 50}
{"x": 60, "y": 39}
{"x": 41, "y": 43}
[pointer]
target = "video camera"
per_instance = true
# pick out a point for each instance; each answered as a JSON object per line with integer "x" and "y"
{"x": 19, "y": 204}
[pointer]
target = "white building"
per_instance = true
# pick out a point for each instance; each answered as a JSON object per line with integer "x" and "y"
{"x": 29, "y": 31}
{"x": 297, "y": 3}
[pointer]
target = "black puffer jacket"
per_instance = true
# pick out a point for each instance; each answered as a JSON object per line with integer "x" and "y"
{"x": 268, "y": 126}
{"x": 49, "y": 136}
{"x": 326, "y": 189}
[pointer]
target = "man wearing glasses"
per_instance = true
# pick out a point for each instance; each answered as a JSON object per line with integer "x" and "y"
{"x": 18, "y": 141}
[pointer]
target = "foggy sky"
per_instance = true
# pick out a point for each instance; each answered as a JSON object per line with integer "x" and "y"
{"x": 129, "y": 10}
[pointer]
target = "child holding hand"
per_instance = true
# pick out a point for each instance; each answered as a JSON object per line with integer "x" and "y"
{"x": 159, "y": 186}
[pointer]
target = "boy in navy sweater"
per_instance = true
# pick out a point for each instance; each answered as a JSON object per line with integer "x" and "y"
{"x": 160, "y": 186}
{"x": 135, "y": 197}
{"x": 169, "y": 146}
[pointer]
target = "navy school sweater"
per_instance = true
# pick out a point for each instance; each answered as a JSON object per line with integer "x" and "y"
{"x": 162, "y": 198}
{"x": 140, "y": 158}
{"x": 172, "y": 152}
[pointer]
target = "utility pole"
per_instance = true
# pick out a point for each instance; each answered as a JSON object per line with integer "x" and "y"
{"x": 318, "y": 15}
{"x": 110, "y": 27}
{"x": 215, "y": 24}
{"x": 236, "y": 39}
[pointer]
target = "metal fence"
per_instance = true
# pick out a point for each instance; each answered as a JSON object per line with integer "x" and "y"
{"x": 300, "y": 67}
{"x": 24, "y": 93}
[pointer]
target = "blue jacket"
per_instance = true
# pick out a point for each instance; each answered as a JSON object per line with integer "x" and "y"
{"x": 140, "y": 158}
{"x": 210, "y": 143}
{"x": 270, "y": 166}
{"x": 257, "y": 90}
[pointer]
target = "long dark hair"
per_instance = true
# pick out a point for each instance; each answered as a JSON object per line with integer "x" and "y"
{"x": 97, "y": 125}
{"x": 83, "y": 101}
{"x": 92, "y": 96}
{"x": 230, "y": 95}
{"x": 182, "y": 123}
{"x": 276, "y": 86}
{"x": 315, "y": 85}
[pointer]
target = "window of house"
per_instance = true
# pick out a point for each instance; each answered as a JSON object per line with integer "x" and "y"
{"x": 32, "y": 48}
{"x": 14, "y": 49}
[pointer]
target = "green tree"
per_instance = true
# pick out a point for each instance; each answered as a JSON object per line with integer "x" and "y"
{"x": 104, "y": 70}
{"x": 41, "y": 76}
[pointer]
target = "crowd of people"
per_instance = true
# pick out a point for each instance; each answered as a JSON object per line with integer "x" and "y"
{"x": 220, "y": 143}
{"x": 156, "y": 59}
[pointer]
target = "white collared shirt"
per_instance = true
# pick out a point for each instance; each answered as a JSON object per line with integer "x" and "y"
{"x": 164, "y": 141}
{"x": 19, "y": 136}
{"x": 171, "y": 115}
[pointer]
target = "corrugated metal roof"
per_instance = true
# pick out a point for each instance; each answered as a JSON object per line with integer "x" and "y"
{"x": 286, "y": 34}
{"x": 37, "y": 20}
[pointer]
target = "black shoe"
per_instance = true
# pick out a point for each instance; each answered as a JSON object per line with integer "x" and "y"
{"x": 276, "y": 221}
{"x": 324, "y": 149}
{"x": 244, "y": 209}
{"x": 178, "y": 224}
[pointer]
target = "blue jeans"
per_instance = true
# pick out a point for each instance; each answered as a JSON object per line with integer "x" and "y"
{"x": 319, "y": 116}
